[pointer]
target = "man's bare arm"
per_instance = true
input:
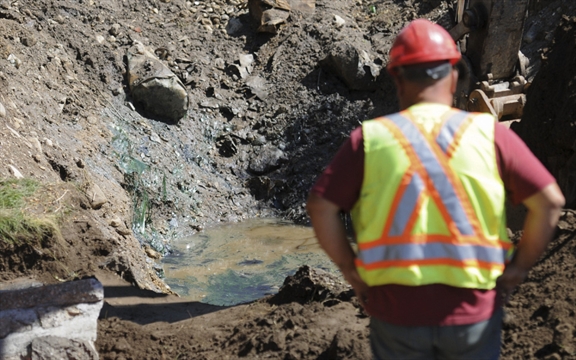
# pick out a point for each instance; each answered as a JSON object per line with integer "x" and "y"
{"x": 544, "y": 210}
{"x": 331, "y": 235}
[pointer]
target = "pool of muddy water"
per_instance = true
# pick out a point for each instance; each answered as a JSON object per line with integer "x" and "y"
{"x": 241, "y": 262}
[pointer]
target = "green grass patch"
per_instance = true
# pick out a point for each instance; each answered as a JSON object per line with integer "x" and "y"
{"x": 17, "y": 223}
{"x": 13, "y": 192}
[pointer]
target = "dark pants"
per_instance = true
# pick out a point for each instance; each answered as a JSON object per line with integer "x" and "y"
{"x": 458, "y": 342}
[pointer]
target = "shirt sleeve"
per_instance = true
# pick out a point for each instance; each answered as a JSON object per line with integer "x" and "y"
{"x": 522, "y": 173}
{"x": 341, "y": 181}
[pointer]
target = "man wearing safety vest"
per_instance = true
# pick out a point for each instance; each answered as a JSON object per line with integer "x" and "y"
{"x": 426, "y": 191}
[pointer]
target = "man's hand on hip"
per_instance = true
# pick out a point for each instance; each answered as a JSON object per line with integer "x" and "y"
{"x": 359, "y": 286}
{"x": 510, "y": 278}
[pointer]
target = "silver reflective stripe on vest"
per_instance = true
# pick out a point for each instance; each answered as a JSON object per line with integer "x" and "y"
{"x": 408, "y": 201}
{"x": 446, "y": 134}
{"x": 432, "y": 251}
{"x": 441, "y": 182}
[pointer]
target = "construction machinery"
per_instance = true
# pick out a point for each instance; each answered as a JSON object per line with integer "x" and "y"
{"x": 493, "y": 70}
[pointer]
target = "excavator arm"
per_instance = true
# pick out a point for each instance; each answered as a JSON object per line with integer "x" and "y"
{"x": 492, "y": 73}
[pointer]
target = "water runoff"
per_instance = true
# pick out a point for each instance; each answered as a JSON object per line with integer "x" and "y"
{"x": 241, "y": 262}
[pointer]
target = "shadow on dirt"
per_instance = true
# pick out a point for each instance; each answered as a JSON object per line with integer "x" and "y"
{"x": 120, "y": 303}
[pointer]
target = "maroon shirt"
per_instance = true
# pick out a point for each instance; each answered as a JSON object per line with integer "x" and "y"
{"x": 436, "y": 304}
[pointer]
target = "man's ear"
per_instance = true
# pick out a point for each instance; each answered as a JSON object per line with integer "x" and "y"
{"x": 398, "y": 81}
{"x": 454, "y": 84}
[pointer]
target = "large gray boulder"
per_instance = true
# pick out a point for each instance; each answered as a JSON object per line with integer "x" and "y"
{"x": 354, "y": 65}
{"x": 154, "y": 87}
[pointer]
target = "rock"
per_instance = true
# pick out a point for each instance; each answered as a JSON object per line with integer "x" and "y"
{"x": 16, "y": 62}
{"x": 2, "y": 110}
{"x": 36, "y": 144}
{"x": 117, "y": 91}
{"x": 564, "y": 338}
{"x": 96, "y": 196}
{"x": 268, "y": 14}
{"x": 114, "y": 30}
{"x": 17, "y": 174}
{"x": 234, "y": 26}
{"x": 155, "y": 88}
{"x": 123, "y": 230}
{"x": 305, "y": 7}
{"x": 310, "y": 284}
{"x": 51, "y": 322}
{"x": 220, "y": 64}
{"x": 155, "y": 138}
{"x": 152, "y": 253}
{"x": 120, "y": 226}
{"x": 268, "y": 159}
{"x": 338, "y": 21}
{"x": 258, "y": 86}
{"x": 353, "y": 66}
{"x": 115, "y": 222}
{"x": 245, "y": 67}
{"x": 122, "y": 346}
{"x": 210, "y": 104}
{"x": 28, "y": 40}
{"x": 55, "y": 347}
{"x": 258, "y": 140}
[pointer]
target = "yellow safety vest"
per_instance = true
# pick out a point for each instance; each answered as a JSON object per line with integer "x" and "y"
{"x": 431, "y": 208}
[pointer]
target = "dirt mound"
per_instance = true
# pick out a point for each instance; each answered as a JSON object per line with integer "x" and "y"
{"x": 314, "y": 316}
{"x": 302, "y": 297}
{"x": 308, "y": 285}
{"x": 540, "y": 317}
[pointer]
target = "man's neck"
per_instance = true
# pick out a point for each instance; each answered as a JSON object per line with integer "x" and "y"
{"x": 407, "y": 102}
{"x": 440, "y": 92}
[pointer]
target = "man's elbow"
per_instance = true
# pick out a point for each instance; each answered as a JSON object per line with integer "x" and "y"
{"x": 556, "y": 198}
{"x": 550, "y": 199}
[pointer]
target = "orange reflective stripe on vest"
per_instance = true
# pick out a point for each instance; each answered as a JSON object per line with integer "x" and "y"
{"x": 449, "y": 135}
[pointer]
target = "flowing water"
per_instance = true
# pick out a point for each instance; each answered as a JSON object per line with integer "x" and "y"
{"x": 238, "y": 263}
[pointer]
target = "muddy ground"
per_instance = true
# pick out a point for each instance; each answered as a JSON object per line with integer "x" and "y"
{"x": 242, "y": 151}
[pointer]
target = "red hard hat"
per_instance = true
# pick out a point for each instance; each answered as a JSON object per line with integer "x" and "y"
{"x": 420, "y": 42}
